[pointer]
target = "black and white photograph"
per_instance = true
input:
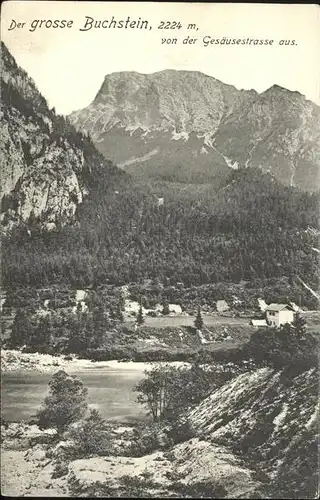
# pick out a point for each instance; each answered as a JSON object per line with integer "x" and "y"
{"x": 159, "y": 294}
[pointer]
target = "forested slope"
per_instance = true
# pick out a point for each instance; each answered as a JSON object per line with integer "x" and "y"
{"x": 69, "y": 216}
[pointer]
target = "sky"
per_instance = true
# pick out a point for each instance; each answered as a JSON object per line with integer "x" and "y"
{"x": 68, "y": 65}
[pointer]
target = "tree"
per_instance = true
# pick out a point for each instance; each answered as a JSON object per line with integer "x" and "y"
{"x": 299, "y": 325}
{"x": 21, "y": 329}
{"x": 282, "y": 347}
{"x": 65, "y": 404}
{"x": 120, "y": 308}
{"x": 165, "y": 310}
{"x": 42, "y": 335}
{"x": 198, "y": 322}
{"x": 167, "y": 391}
{"x": 120, "y": 315}
{"x": 79, "y": 333}
{"x": 153, "y": 391}
{"x": 100, "y": 325}
{"x": 140, "y": 318}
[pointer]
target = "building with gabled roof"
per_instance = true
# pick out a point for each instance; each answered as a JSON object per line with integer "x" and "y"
{"x": 279, "y": 314}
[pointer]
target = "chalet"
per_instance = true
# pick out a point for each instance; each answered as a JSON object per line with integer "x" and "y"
{"x": 279, "y": 314}
{"x": 175, "y": 309}
{"x": 222, "y": 306}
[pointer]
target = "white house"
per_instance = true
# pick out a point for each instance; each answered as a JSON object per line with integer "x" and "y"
{"x": 279, "y": 314}
{"x": 131, "y": 307}
{"x": 175, "y": 308}
{"x": 222, "y": 306}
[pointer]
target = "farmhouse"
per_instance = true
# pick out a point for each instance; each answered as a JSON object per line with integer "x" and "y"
{"x": 279, "y": 314}
{"x": 175, "y": 308}
{"x": 222, "y": 306}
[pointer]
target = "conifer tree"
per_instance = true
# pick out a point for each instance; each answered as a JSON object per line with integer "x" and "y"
{"x": 140, "y": 318}
{"x": 165, "y": 309}
{"x": 198, "y": 323}
{"x": 299, "y": 325}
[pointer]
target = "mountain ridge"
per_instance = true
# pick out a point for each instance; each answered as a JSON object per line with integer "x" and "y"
{"x": 274, "y": 86}
{"x": 202, "y": 127}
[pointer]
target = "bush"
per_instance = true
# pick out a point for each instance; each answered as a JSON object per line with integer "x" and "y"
{"x": 291, "y": 345}
{"x": 202, "y": 489}
{"x": 90, "y": 437}
{"x": 97, "y": 354}
{"x": 126, "y": 487}
{"x": 180, "y": 431}
{"x": 60, "y": 469}
{"x": 147, "y": 439}
{"x": 168, "y": 391}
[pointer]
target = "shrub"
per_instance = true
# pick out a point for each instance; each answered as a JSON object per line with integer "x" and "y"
{"x": 60, "y": 469}
{"x": 125, "y": 487}
{"x": 201, "y": 489}
{"x": 180, "y": 431}
{"x": 66, "y": 403}
{"x": 168, "y": 391}
{"x": 291, "y": 345}
{"x": 90, "y": 436}
{"x": 147, "y": 439}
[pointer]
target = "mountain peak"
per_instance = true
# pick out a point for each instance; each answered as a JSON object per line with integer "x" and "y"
{"x": 277, "y": 89}
{"x": 184, "y": 124}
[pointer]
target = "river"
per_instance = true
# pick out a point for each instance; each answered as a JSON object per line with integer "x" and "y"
{"x": 109, "y": 390}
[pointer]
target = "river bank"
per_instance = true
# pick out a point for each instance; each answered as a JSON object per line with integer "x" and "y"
{"x": 13, "y": 360}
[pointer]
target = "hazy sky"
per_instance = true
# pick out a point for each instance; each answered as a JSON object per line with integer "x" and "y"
{"x": 68, "y": 65}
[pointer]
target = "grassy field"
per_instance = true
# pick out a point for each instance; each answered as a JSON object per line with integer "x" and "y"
{"x": 183, "y": 320}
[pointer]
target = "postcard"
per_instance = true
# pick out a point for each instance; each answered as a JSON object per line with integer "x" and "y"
{"x": 160, "y": 249}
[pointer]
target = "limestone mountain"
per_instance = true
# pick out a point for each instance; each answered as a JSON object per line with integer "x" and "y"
{"x": 187, "y": 126}
{"x": 47, "y": 167}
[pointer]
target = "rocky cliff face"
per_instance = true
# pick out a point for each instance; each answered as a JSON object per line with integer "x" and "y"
{"x": 44, "y": 162}
{"x": 269, "y": 420}
{"x": 184, "y": 125}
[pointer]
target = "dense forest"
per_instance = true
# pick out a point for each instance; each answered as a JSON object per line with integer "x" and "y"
{"x": 252, "y": 227}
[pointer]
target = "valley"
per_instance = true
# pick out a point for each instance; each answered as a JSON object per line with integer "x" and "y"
{"x": 147, "y": 240}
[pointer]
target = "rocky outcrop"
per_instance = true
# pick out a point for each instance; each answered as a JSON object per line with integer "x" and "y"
{"x": 188, "y": 464}
{"x": 185, "y": 125}
{"x": 269, "y": 420}
{"x": 25, "y": 467}
{"x": 46, "y": 166}
{"x": 44, "y": 186}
